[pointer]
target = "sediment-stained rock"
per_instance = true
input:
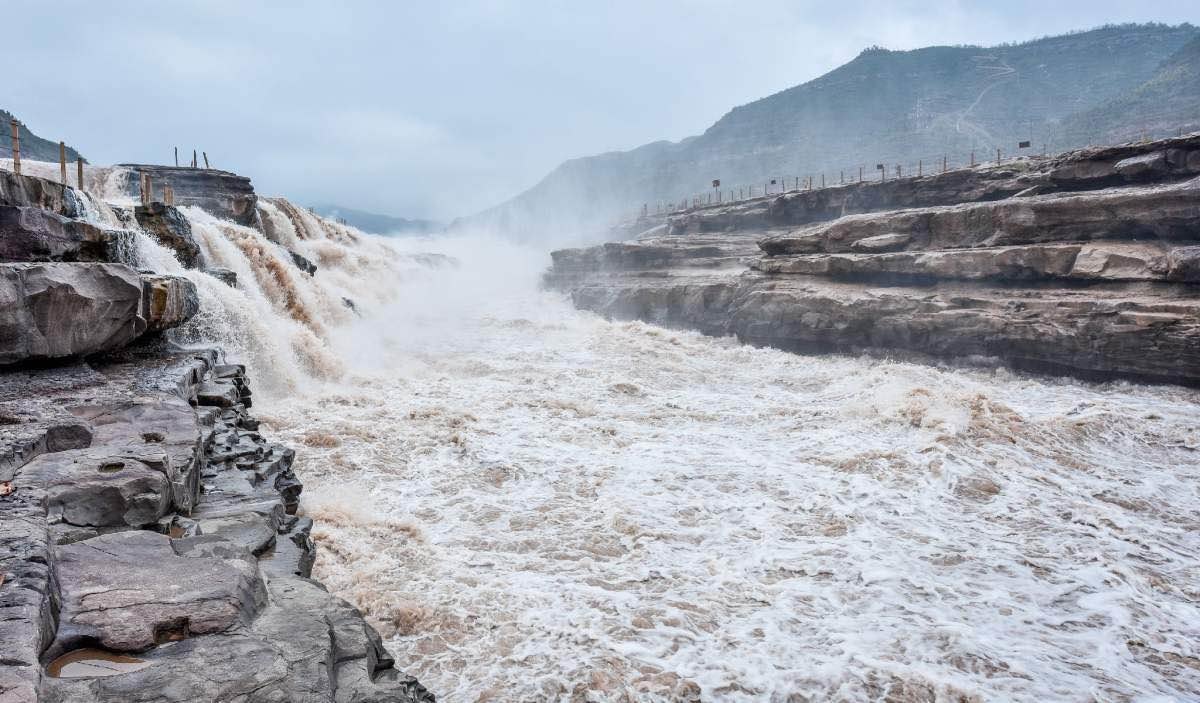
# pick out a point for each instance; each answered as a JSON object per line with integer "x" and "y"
{"x": 169, "y": 301}
{"x": 131, "y": 590}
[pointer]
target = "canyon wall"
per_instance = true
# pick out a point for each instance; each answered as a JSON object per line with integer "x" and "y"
{"x": 1086, "y": 263}
{"x": 150, "y": 547}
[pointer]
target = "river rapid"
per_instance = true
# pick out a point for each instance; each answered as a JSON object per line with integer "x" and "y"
{"x": 533, "y": 503}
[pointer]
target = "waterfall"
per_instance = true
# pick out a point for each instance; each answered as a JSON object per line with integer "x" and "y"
{"x": 279, "y": 320}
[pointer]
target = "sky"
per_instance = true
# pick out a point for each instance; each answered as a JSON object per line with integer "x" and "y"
{"x": 441, "y": 109}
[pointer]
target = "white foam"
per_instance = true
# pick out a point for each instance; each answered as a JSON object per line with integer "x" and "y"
{"x": 546, "y": 505}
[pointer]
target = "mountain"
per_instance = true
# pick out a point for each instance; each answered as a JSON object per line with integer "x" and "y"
{"x": 889, "y": 107}
{"x": 375, "y": 223}
{"x": 1168, "y": 102}
{"x": 33, "y": 147}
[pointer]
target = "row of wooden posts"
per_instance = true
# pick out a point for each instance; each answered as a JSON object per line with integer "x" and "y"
{"x": 147, "y": 185}
{"x": 806, "y": 184}
{"x": 62, "y": 157}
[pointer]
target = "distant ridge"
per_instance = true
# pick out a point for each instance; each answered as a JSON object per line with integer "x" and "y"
{"x": 892, "y": 107}
{"x": 33, "y": 147}
{"x": 375, "y": 223}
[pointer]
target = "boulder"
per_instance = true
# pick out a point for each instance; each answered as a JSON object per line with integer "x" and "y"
{"x": 171, "y": 229}
{"x": 305, "y": 646}
{"x": 34, "y": 234}
{"x": 302, "y": 263}
{"x": 58, "y": 310}
{"x": 128, "y": 591}
{"x": 223, "y": 275}
{"x": 31, "y": 191}
{"x": 95, "y": 488}
{"x": 169, "y": 301}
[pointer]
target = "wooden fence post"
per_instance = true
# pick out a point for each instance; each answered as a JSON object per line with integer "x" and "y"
{"x": 205, "y": 153}
{"x": 62, "y": 161}
{"x": 842, "y": 178}
{"x": 176, "y": 157}
{"x": 972, "y": 159}
{"x": 997, "y": 154}
{"x": 944, "y": 162}
{"x": 193, "y": 158}
{"x": 16, "y": 146}
{"x": 920, "y": 168}
{"x": 860, "y": 174}
{"x": 79, "y": 171}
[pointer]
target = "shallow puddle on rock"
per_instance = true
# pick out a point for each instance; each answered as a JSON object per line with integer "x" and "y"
{"x": 87, "y": 663}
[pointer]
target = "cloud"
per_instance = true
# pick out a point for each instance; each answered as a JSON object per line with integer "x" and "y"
{"x": 441, "y": 109}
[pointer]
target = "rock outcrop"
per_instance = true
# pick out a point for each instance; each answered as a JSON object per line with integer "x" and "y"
{"x": 149, "y": 544}
{"x": 60, "y": 310}
{"x": 1083, "y": 264}
{"x": 172, "y": 230}
{"x": 224, "y": 194}
{"x": 161, "y": 544}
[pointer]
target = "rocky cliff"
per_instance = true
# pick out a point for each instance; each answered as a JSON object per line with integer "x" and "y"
{"x": 149, "y": 544}
{"x": 892, "y": 107}
{"x": 1087, "y": 263}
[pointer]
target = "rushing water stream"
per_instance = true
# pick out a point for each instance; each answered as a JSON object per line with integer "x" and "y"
{"x": 532, "y": 503}
{"x": 536, "y": 504}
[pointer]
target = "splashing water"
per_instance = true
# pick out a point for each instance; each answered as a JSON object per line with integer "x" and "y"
{"x": 535, "y": 504}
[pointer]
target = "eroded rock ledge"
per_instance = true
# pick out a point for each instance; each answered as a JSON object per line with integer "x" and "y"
{"x": 163, "y": 528}
{"x": 1085, "y": 264}
{"x": 149, "y": 544}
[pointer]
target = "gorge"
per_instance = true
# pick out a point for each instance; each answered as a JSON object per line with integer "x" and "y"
{"x": 916, "y": 438}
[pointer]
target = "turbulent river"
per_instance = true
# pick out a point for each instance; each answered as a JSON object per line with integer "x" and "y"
{"x": 535, "y": 504}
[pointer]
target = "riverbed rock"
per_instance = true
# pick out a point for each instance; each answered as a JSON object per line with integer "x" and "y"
{"x": 129, "y": 591}
{"x": 223, "y": 275}
{"x": 34, "y": 234}
{"x": 57, "y": 310}
{"x": 225, "y": 195}
{"x": 172, "y": 230}
{"x": 168, "y": 301}
{"x": 1082, "y": 264}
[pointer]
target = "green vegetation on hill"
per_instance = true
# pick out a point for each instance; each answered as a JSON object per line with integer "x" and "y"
{"x": 33, "y": 147}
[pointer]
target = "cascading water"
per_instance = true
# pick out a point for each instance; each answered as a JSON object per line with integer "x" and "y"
{"x": 536, "y": 504}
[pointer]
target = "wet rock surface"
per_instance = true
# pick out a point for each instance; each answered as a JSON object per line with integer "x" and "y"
{"x": 224, "y": 194}
{"x": 1082, "y": 264}
{"x": 60, "y": 310}
{"x": 172, "y": 230}
{"x": 149, "y": 544}
{"x": 170, "y": 536}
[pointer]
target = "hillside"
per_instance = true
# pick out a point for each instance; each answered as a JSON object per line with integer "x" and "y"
{"x": 376, "y": 223}
{"x": 1169, "y": 100}
{"x": 892, "y": 107}
{"x": 33, "y": 147}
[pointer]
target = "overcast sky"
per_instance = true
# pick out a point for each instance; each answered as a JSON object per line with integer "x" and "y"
{"x": 438, "y": 109}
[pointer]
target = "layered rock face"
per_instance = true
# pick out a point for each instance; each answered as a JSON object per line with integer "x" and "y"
{"x": 1085, "y": 264}
{"x": 224, "y": 194}
{"x": 149, "y": 544}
